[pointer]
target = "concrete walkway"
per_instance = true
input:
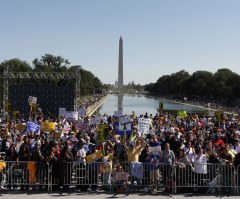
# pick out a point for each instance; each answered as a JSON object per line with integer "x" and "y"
{"x": 94, "y": 195}
{"x": 105, "y": 196}
{"x": 92, "y": 109}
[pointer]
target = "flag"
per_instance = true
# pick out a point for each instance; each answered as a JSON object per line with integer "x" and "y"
{"x": 94, "y": 156}
{"x": 182, "y": 113}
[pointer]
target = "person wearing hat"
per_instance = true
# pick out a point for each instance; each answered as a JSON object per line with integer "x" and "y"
{"x": 133, "y": 153}
{"x": 72, "y": 138}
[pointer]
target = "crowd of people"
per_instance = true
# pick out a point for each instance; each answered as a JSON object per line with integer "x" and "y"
{"x": 186, "y": 142}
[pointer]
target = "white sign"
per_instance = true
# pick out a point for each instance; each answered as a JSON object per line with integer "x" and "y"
{"x": 82, "y": 111}
{"x": 62, "y": 112}
{"x": 118, "y": 113}
{"x": 32, "y": 100}
{"x": 97, "y": 120}
{"x": 155, "y": 149}
{"x": 66, "y": 128}
{"x": 143, "y": 125}
{"x": 71, "y": 115}
{"x": 83, "y": 126}
{"x": 125, "y": 123}
{"x": 211, "y": 113}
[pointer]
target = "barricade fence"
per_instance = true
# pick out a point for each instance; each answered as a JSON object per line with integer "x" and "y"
{"x": 25, "y": 175}
{"x": 121, "y": 177}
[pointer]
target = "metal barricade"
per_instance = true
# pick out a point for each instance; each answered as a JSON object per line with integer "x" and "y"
{"x": 143, "y": 177}
{"x": 206, "y": 178}
{"x": 237, "y": 179}
{"x": 122, "y": 177}
{"x": 25, "y": 175}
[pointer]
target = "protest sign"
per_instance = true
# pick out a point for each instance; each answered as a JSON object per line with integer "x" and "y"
{"x": 62, "y": 112}
{"x": 47, "y": 126}
{"x": 143, "y": 125}
{"x": 72, "y": 115}
{"x": 33, "y": 127}
{"x": 66, "y": 128}
{"x": 219, "y": 116}
{"x": 96, "y": 120}
{"x": 118, "y": 113}
{"x": 102, "y": 130}
{"x": 182, "y": 114}
{"x": 125, "y": 123}
{"x": 155, "y": 149}
{"x": 32, "y": 100}
{"x": 94, "y": 156}
{"x": 83, "y": 127}
{"x": 211, "y": 113}
{"x": 121, "y": 132}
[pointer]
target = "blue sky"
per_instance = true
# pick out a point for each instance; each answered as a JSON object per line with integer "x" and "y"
{"x": 160, "y": 37}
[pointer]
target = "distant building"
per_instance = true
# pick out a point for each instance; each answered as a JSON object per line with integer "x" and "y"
{"x": 116, "y": 84}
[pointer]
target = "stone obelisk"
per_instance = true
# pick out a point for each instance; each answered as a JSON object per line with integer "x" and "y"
{"x": 120, "y": 64}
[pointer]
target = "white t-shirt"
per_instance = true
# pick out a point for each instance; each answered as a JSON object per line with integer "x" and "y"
{"x": 81, "y": 153}
{"x": 189, "y": 153}
{"x": 236, "y": 148}
{"x": 200, "y": 165}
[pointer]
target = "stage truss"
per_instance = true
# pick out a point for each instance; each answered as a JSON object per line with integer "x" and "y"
{"x": 7, "y": 75}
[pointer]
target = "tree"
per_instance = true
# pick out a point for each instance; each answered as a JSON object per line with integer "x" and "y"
{"x": 201, "y": 84}
{"x": 14, "y": 65}
{"x": 51, "y": 63}
{"x": 223, "y": 83}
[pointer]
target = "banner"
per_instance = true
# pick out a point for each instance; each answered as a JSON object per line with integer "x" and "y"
{"x": 125, "y": 123}
{"x": 33, "y": 127}
{"x": 102, "y": 130}
{"x": 143, "y": 125}
{"x": 47, "y": 126}
{"x": 72, "y": 115}
{"x": 94, "y": 156}
{"x": 62, "y": 112}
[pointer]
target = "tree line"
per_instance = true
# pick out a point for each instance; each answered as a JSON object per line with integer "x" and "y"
{"x": 89, "y": 85}
{"x": 221, "y": 85}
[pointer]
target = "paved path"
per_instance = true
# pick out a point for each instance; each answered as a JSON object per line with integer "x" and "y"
{"x": 89, "y": 195}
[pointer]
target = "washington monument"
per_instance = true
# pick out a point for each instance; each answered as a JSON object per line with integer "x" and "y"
{"x": 120, "y": 64}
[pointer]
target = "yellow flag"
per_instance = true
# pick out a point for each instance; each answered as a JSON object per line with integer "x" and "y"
{"x": 94, "y": 156}
{"x": 47, "y": 126}
{"x": 182, "y": 113}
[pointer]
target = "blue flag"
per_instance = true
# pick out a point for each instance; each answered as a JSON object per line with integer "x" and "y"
{"x": 33, "y": 127}
{"x": 120, "y": 132}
